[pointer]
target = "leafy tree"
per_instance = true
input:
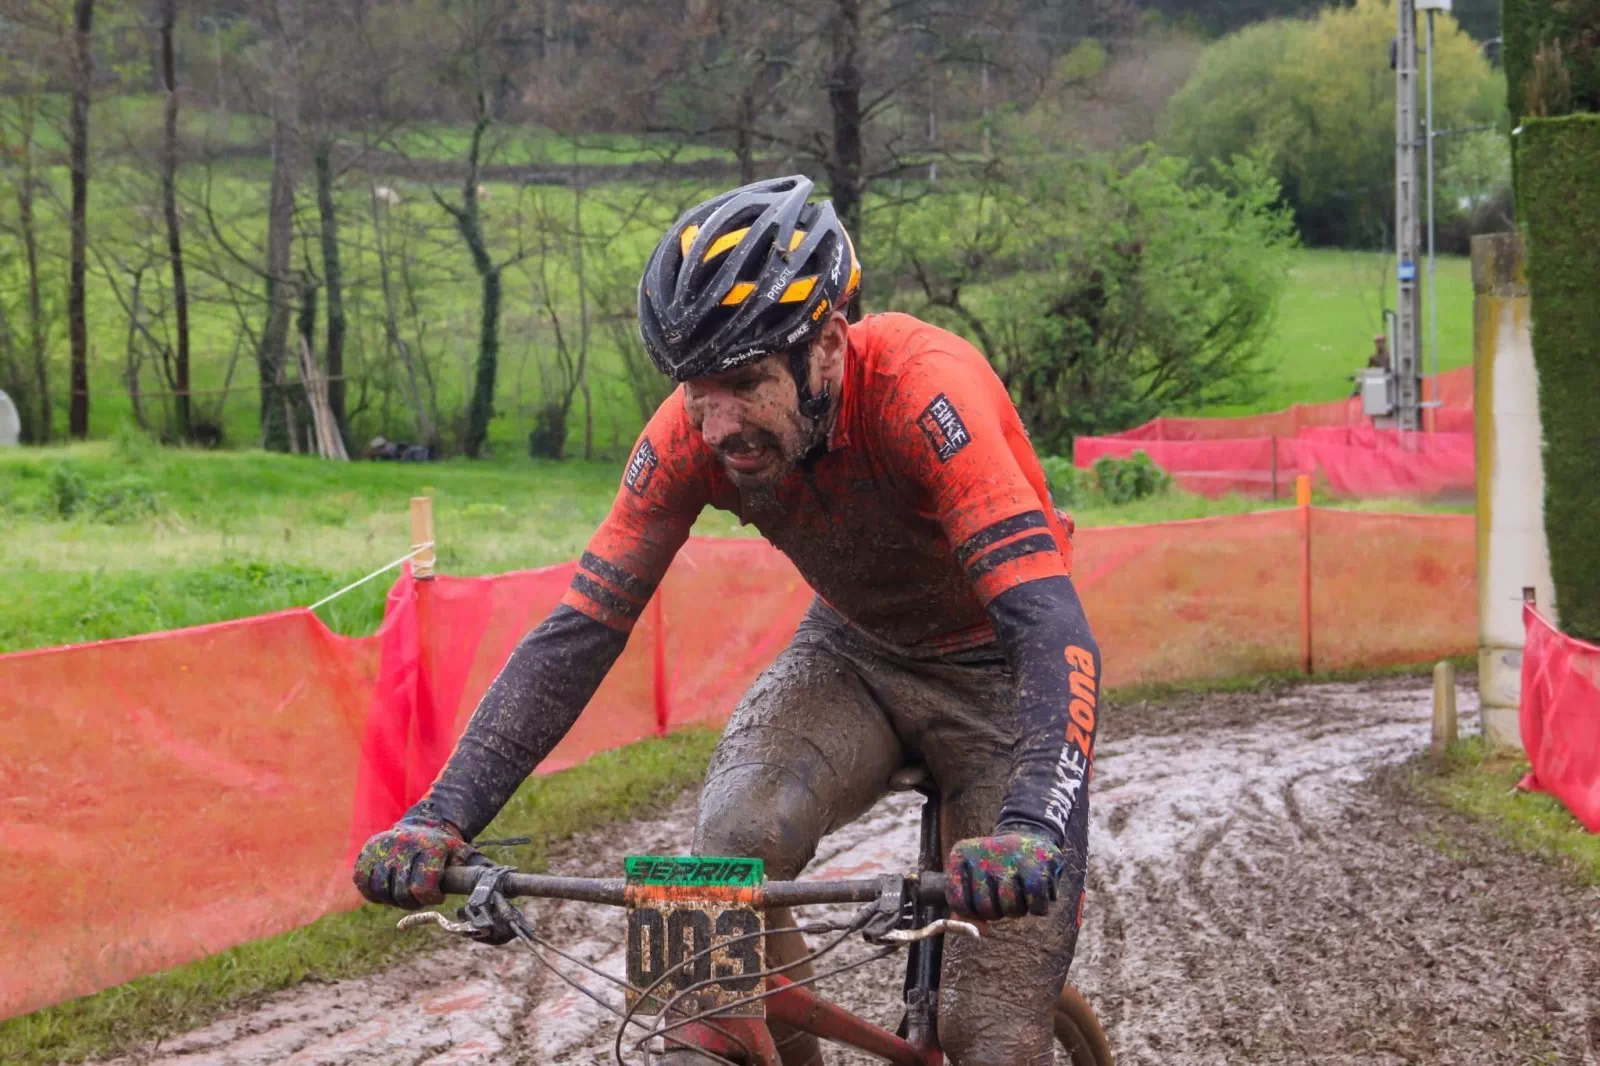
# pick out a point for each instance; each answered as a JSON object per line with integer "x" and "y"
{"x": 1318, "y": 96}
{"x": 1127, "y": 285}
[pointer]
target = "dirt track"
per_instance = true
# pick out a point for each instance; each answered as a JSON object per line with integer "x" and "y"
{"x": 1260, "y": 892}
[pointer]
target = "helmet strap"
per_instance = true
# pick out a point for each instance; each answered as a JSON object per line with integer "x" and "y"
{"x": 814, "y": 406}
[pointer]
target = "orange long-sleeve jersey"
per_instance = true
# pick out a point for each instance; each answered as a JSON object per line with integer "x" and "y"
{"x": 926, "y": 522}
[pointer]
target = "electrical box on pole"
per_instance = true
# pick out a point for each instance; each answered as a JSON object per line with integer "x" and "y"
{"x": 1408, "y": 236}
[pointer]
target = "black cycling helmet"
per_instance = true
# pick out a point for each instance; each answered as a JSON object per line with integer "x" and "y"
{"x": 744, "y": 275}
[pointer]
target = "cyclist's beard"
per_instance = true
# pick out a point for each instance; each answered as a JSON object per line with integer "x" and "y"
{"x": 759, "y": 457}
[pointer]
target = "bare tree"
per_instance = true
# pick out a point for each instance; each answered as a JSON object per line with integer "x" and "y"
{"x": 469, "y": 223}
{"x": 77, "y": 310}
{"x": 18, "y": 142}
{"x": 169, "y": 203}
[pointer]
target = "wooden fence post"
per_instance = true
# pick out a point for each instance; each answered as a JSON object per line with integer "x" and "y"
{"x": 1302, "y": 489}
{"x": 422, "y": 534}
{"x": 1444, "y": 707}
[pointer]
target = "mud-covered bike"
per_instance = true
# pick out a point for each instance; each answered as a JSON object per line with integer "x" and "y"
{"x": 696, "y": 930}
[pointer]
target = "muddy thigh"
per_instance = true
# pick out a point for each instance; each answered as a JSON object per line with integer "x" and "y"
{"x": 806, "y": 751}
{"x": 958, "y": 716}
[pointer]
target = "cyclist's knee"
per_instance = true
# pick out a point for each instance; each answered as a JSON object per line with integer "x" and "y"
{"x": 757, "y": 810}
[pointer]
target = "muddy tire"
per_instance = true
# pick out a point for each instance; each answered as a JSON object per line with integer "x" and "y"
{"x": 1078, "y": 1031}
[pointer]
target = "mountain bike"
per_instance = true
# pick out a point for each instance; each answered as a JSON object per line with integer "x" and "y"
{"x": 696, "y": 928}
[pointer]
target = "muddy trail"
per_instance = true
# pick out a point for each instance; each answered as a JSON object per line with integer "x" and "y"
{"x": 1262, "y": 890}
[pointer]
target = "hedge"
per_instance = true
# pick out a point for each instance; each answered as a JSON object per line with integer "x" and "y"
{"x": 1528, "y": 25}
{"x": 1559, "y": 203}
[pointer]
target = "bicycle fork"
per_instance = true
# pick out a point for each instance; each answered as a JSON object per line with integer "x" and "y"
{"x": 924, "y": 957}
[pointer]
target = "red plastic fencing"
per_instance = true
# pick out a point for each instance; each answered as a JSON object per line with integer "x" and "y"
{"x": 149, "y": 783}
{"x": 1260, "y": 455}
{"x": 169, "y": 796}
{"x": 1560, "y": 717}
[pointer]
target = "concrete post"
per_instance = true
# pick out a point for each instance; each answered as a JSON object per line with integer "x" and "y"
{"x": 1512, "y": 552}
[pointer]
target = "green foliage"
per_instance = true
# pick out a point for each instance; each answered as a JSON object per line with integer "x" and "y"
{"x": 1552, "y": 56}
{"x": 114, "y": 502}
{"x": 1123, "y": 481}
{"x": 611, "y": 787}
{"x": 1112, "y": 483}
{"x": 1131, "y": 287}
{"x": 1225, "y": 109}
{"x": 1558, "y": 199}
{"x": 1317, "y": 98}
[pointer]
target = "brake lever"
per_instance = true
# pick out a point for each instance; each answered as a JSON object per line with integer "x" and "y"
{"x": 488, "y": 917}
{"x": 411, "y": 921}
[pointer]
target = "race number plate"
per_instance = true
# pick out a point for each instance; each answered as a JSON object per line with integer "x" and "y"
{"x": 703, "y": 909}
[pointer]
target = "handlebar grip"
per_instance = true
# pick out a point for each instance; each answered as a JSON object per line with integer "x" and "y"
{"x": 459, "y": 880}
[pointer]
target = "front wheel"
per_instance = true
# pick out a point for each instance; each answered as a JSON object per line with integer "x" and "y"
{"x": 1079, "y": 1032}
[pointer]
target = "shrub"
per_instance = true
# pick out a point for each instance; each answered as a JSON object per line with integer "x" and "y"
{"x": 1122, "y": 481}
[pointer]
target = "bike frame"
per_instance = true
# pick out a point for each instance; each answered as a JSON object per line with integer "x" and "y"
{"x": 801, "y": 1008}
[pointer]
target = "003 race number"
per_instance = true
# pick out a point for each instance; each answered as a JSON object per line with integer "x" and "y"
{"x": 695, "y": 925}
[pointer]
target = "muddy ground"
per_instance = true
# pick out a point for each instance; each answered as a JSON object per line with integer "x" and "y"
{"x": 1262, "y": 889}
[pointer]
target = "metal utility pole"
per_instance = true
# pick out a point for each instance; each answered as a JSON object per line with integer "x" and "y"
{"x": 1432, "y": 6}
{"x": 1407, "y": 353}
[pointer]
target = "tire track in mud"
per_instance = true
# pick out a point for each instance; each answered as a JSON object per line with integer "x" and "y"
{"x": 1259, "y": 892}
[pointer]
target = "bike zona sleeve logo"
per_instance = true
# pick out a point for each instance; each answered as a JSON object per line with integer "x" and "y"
{"x": 945, "y": 431}
{"x": 641, "y": 468}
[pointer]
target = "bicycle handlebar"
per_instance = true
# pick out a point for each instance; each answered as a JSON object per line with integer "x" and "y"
{"x": 612, "y": 891}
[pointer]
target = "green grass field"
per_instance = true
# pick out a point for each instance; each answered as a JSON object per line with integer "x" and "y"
{"x": 1332, "y": 308}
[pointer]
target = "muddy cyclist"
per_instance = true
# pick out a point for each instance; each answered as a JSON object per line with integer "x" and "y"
{"x": 887, "y": 461}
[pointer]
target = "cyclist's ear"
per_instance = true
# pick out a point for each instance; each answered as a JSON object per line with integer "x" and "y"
{"x": 827, "y": 351}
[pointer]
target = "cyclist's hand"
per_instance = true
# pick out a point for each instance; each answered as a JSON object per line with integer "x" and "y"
{"x": 402, "y": 866}
{"x": 1007, "y": 875}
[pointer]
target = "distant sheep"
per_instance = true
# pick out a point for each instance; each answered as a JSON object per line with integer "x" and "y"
{"x": 385, "y": 195}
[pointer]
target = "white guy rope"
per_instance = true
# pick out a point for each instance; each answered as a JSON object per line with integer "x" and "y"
{"x": 418, "y": 550}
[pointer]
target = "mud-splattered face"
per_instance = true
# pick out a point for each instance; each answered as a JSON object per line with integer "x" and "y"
{"x": 751, "y": 416}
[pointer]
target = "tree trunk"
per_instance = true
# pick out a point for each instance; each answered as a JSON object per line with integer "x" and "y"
{"x": 333, "y": 278}
{"x": 743, "y": 141}
{"x": 844, "y": 100}
{"x": 469, "y": 223}
{"x": 30, "y": 249}
{"x": 77, "y": 322}
{"x": 280, "y": 290}
{"x": 169, "y": 200}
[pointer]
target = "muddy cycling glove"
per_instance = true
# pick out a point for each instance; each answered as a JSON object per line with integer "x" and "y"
{"x": 402, "y": 866}
{"x": 1007, "y": 875}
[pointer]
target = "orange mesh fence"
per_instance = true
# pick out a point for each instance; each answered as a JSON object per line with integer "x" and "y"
{"x": 1260, "y": 455}
{"x": 1391, "y": 588}
{"x": 1560, "y": 717}
{"x": 148, "y": 782}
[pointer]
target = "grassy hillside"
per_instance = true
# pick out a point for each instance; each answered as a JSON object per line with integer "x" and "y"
{"x": 1332, "y": 308}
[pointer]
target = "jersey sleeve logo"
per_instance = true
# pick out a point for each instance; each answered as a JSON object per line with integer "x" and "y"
{"x": 945, "y": 431}
{"x": 641, "y": 468}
